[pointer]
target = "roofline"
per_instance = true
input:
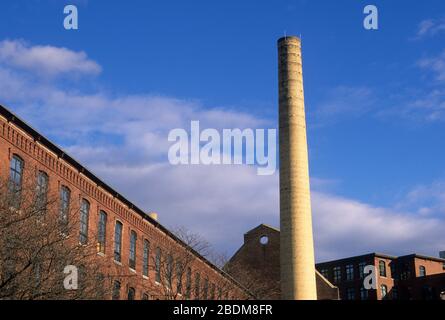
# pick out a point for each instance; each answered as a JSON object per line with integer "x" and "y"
{"x": 262, "y": 225}
{"x": 383, "y": 255}
{"x": 421, "y": 256}
{"x": 13, "y": 118}
{"x": 371, "y": 254}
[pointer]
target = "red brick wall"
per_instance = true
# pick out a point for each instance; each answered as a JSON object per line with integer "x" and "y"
{"x": 14, "y": 140}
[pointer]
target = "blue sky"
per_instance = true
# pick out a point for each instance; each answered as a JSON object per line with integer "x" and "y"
{"x": 375, "y": 102}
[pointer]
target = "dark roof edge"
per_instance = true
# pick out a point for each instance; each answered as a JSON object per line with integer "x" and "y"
{"x": 383, "y": 255}
{"x": 371, "y": 254}
{"x": 11, "y": 117}
{"x": 421, "y": 256}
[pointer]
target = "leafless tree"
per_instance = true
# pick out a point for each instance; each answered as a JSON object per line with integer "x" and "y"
{"x": 38, "y": 239}
{"x": 175, "y": 273}
{"x": 255, "y": 281}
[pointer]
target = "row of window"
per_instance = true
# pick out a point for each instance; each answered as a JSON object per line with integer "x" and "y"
{"x": 337, "y": 274}
{"x": 364, "y": 293}
{"x": 208, "y": 290}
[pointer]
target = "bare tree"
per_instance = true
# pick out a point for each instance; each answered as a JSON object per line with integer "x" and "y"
{"x": 174, "y": 268}
{"x": 255, "y": 281}
{"x": 39, "y": 237}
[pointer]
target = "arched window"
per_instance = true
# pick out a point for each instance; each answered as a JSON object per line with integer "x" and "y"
{"x": 383, "y": 290}
{"x": 84, "y": 220}
{"x": 158, "y": 265}
{"x": 118, "y": 241}
{"x": 15, "y": 180}
{"x": 188, "y": 283}
{"x": 132, "y": 256}
{"x": 197, "y": 286}
{"x": 363, "y": 294}
{"x": 102, "y": 232}
{"x": 205, "y": 291}
{"x": 145, "y": 258}
{"x": 131, "y": 293}
{"x": 65, "y": 198}
{"x": 42, "y": 191}
{"x": 382, "y": 268}
{"x": 169, "y": 271}
{"x": 422, "y": 271}
{"x": 116, "y": 290}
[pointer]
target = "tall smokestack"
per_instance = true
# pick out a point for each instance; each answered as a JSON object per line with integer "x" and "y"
{"x": 297, "y": 263}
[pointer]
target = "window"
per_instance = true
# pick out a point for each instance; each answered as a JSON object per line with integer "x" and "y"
{"x": 145, "y": 296}
{"x": 395, "y": 293}
{"x": 42, "y": 191}
{"x": 350, "y": 294}
{"x": 65, "y": 198}
{"x": 363, "y": 294}
{"x": 382, "y": 268}
{"x": 361, "y": 269}
{"x": 116, "y": 290}
{"x": 219, "y": 293}
{"x": 422, "y": 271}
{"x": 325, "y": 273}
{"x": 169, "y": 271}
{"x": 350, "y": 272}
{"x": 212, "y": 291}
{"x": 84, "y": 218}
{"x": 179, "y": 273}
{"x": 337, "y": 274}
{"x": 158, "y": 265}
{"x": 197, "y": 285}
{"x": 131, "y": 293}
{"x": 16, "y": 177}
{"x": 132, "y": 258}
{"x": 145, "y": 258}
{"x": 383, "y": 290}
{"x": 206, "y": 289}
{"x": 392, "y": 267}
{"x": 118, "y": 241}
{"x": 102, "y": 232}
{"x": 188, "y": 283}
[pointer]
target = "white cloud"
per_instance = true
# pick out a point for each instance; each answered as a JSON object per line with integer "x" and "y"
{"x": 344, "y": 102}
{"x": 435, "y": 64}
{"x": 430, "y": 27}
{"x": 123, "y": 139}
{"x": 46, "y": 60}
{"x": 344, "y": 227}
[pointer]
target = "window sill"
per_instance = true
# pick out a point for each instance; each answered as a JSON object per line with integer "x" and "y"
{"x": 132, "y": 270}
{"x": 101, "y": 254}
{"x": 117, "y": 262}
{"x": 145, "y": 277}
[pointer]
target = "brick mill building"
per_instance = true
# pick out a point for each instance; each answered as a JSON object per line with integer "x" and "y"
{"x": 128, "y": 238}
{"x": 409, "y": 277}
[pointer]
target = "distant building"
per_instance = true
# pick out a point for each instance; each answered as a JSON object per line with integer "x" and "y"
{"x": 410, "y": 277}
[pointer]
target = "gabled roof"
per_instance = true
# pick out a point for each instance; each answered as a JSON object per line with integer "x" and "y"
{"x": 261, "y": 226}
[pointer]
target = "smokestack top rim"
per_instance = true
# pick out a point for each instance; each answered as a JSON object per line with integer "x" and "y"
{"x": 289, "y": 39}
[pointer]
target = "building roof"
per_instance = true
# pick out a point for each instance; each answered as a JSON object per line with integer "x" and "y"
{"x": 421, "y": 256}
{"x": 13, "y": 118}
{"x": 386, "y": 256}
